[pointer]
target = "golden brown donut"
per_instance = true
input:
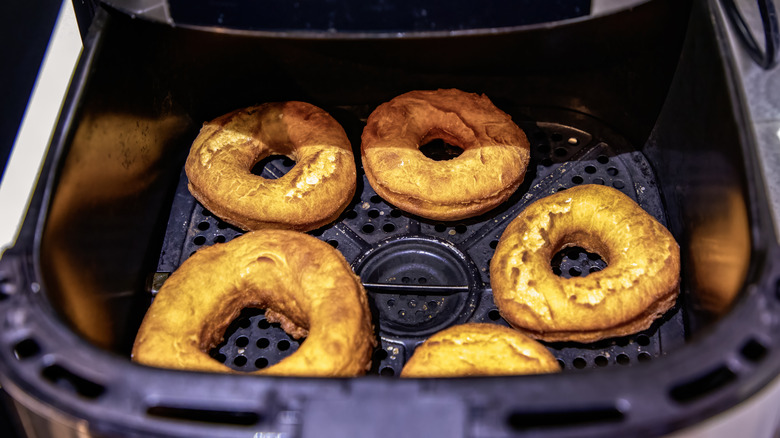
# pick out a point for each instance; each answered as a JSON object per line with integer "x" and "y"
{"x": 313, "y": 193}
{"x": 491, "y": 167}
{"x": 639, "y": 284}
{"x": 479, "y": 350}
{"x": 303, "y": 283}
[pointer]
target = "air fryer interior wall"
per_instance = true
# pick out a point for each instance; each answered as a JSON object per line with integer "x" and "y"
{"x": 151, "y": 86}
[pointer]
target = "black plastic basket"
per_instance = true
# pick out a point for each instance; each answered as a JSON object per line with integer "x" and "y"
{"x": 642, "y": 100}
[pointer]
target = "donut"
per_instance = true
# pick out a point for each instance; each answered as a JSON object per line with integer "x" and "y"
{"x": 490, "y": 168}
{"x": 639, "y": 284}
{"x": 304, "y": 283}
{"x": 312, "y": 194}
{"x": 479, "y": 349}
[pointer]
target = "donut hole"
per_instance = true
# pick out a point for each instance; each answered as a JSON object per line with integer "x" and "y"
{"x": 439, "y": 150}
{"x": 575, "y": 261}
{"x": 273, "y": 166}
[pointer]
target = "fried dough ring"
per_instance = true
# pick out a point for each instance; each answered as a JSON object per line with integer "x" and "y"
{"x": 479, "y": 350}
{"x": 639, "y": 284}
{"x": 303, "y": 283}
{"x": 493, "y": 163}
{"x": 313, "y": 193}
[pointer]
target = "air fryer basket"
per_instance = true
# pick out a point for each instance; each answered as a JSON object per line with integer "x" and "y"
{"x": 641, "y": 100}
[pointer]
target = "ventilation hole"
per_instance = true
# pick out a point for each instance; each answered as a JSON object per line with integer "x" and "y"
{"x": 283, "y": 345}
{"x": 547, "y": 162}
{"x": 26, "y": 349}
{"x": 203, "y": 226}
{"x": 579, "y": 363}
{"x": 522, "y": 421}
{"x": 220, "y": 239}
{"x": 753, "y": 351}
{"x": 643, "y": 340}
{"x": 703, "y": 385}
{"x": 556, "y": 137}
{"x": 603, "y": 159}
{"x": 368, "y": 228}
{"x": 598, "y": 181}
{"x": 618, "y": 184}
{"x": 390, "y": 303}
{"x": 352, "y": 214}
{"x": 244, "y": 323}
{"x": 206, "y": 415}
{"x": 264, "y": 324}
{"x": 422, "y": 280}
{"x": 612, "y": 171}
{"x": 432, "y": 305}
{"x": 623, "y": 359}
{"x": 590, "y": 169}
{"x": 242, "y": 341}
{"x": 594, "y": 269}
{"x": 561, "y": 152}
{"x": 221, "y": 358}
{"x": 406, "y": 280}
{"x": 644, "y": 357}
{"x": 200, "y": 240}
{"x": 493, "y": 244}
{"x": 261, "y": 363}
{"x": 395, "y": 213}
{"x": 333, "y": 243}
{"x": 561, "y": 364}
{"x": 376, "y": 199}
{"x": 577, "y": 179}
{"x": 440, "y": 228}
{"x": 575, "y": 271}
{"x": 439, "y": 150}
{"x": 263, "y": 343}
{"x": 66, "y": 379}
{"x": 601, "y": 361}
{"x": 373, "y": 214}
{"x": 222, "y": 225}
{"x": 494, "y": 315}
{"x": 461, "y": 229}
{"x": 7, "y": 288}
{"x": 379, "y": 354}
{"x": 388, "y": 228}
{"x": 239, "y": 361}
{"x": 387, "y": 372}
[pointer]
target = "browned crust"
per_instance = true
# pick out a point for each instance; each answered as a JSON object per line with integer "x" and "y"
{"x": 479, "y": 350}
{"x": 640, "y": 283}
{"x": 312, "y": 194}
{"x": 304, "y": 283}
{"x": 491, "y": 167}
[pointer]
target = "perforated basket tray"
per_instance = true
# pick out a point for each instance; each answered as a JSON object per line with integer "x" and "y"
{"x": 423, "y": 276}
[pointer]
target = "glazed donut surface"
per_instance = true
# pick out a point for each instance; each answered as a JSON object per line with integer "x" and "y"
{"x": 313, "y": 193}
{"x": 639, "y": 284}
{"x": 490, "y": 168}
{"x": 304, "y": 284}
{"x": 478, "y": 349}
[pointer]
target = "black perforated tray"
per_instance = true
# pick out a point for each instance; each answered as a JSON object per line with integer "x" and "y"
{"x": 423, "y": 276}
